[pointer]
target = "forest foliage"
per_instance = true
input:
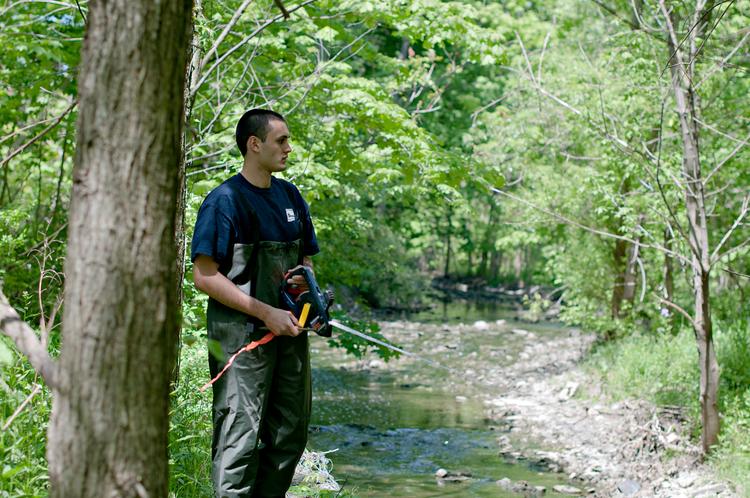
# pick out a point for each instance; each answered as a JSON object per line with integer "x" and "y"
{"x": 404, "y": 116}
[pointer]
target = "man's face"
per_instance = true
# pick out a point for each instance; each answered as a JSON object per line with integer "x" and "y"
{"x": 272, "y": 153}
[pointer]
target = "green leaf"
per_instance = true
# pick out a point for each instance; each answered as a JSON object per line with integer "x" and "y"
{"x": 214, "y": 349}
{"x": 6, "y": 355}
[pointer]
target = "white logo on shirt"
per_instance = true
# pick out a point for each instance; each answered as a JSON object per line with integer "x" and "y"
{"x": 290, "y": 215}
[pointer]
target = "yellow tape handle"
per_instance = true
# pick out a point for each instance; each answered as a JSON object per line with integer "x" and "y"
{"x": 303, "y": 315}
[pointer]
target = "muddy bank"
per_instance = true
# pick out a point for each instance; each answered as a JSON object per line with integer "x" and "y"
{"x": 547, "y": 412}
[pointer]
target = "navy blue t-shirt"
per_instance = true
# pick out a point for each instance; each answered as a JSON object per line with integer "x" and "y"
{"x": 224, "y": 219}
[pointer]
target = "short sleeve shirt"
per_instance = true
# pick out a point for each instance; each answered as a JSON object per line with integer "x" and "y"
{"x": 224, "y": 219}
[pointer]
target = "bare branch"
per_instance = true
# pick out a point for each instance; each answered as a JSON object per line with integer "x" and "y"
{"x": 239, "y": 45}
{"x": 728, "y": 158}
{"x": 320, "y": 68}
{"x": 51, "y": 2}
{"x": 676, "y": 55}
{"x": 280, "y": 5}
{"x": 588, "y": 228}
{"x": 20, "y": 408}
{"x": 712, "y": 128}
{"x": 724, "y": 61}
{"x": 676, "y": 308}
{"x": 222, "y": 36}
{"x": 735, "y": 273}
{"x": 635, "y": 27}
{"x": 475, "y": 114}
{"x": 27, "y": 342}
{"x": 541, "y": 58}
{"x": 643, "y": 278}
{"x": 27, "y": 127}
{"x": 737, "y": 221}
{"x": 28, "y": 144}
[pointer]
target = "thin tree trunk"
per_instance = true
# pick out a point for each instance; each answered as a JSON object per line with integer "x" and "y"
{"x": 192, "y": 73}
{"x": 686, "y": 103}
{"x": 518, "y": 267}
{"x": 668, "y": 266}
{"x": 108, "y": 430}
{"x": 630, "y": 270}
{"x": 448, "y": 230}
{"x": 495, "y": 263}
{"x": 488, "y": 244}
{"x": 618, "y": 288}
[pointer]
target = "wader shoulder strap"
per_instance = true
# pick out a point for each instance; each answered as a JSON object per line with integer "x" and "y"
{"x": 289, "y": 189}
{"x": 255, "y": 239}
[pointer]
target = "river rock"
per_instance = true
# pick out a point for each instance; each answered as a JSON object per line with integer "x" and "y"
{"x": 568, "y": 391}
{"x": 446, "y": 476}
{"x": 522, "y": 487}
{"x": 481, "y": 325}
{"x": 686, "y": 480}
{"x": 708, "y": 491}
{"x": 567, "y": 490}
{"x": 505, "y": 483}
{"x": 628, "y": 487}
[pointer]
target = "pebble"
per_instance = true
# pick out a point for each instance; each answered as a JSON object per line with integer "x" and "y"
{"x": 706, "y": 491}
{"x": 505, "y": 483}
{"x": 628, "y": 487}
{"x": 686, "y": 480}
{"x": 567, "y": 490}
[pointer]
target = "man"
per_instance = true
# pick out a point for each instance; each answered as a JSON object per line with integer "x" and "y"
{"x": 250, "y": 231}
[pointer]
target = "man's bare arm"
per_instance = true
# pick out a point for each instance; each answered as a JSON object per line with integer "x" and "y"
{"x": 208, "y": 279}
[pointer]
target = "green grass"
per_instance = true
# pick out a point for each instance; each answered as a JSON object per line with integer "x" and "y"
{"x": 664, "y": 370}
{"x": 190, "y": 427}
{"x": 23, "y": 467}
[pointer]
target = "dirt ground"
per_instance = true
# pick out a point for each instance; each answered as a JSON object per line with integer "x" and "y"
{"x": 552, "y": 414}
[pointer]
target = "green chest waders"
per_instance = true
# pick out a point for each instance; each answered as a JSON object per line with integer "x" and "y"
{"x": 261, "y": 405}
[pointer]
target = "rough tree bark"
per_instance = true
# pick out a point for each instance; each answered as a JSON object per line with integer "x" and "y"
{"x": 108, "y": 431}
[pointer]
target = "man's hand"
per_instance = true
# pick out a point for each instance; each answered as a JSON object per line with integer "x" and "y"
{"x": 298, "y": 281}
{"x": 281, "y": 322}
{"x": 209, "y": 280}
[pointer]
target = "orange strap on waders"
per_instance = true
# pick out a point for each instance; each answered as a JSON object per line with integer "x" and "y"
{"x": 249, "y": 347}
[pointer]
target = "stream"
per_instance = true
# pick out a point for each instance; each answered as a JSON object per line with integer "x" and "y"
{"x": 390, "y": 426}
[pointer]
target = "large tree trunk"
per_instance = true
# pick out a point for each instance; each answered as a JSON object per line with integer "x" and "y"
{"x": 108, "y": 431}
{"x": 683, "y": 56}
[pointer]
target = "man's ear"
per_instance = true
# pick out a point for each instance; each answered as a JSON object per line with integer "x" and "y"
{"x": 253, "y": 143}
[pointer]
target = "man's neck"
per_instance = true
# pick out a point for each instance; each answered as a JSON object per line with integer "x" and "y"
{"x": 256, "y": 176}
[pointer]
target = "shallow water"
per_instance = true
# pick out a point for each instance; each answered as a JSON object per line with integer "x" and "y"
{"x": 390, "y": 429}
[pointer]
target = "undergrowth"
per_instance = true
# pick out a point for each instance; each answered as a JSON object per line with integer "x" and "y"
{"x": 23, "y": 467}
{"x": 663, "y": 369}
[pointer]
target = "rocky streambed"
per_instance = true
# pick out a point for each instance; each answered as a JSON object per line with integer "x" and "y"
{"x": 554, "y": 416}
{"x": 541, "y": 410}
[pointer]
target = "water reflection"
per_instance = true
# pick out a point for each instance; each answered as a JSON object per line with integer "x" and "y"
{"x": 391, "y": 432}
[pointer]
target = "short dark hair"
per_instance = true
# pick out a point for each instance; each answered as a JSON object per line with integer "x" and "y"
{"x": 254, "y": 123}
